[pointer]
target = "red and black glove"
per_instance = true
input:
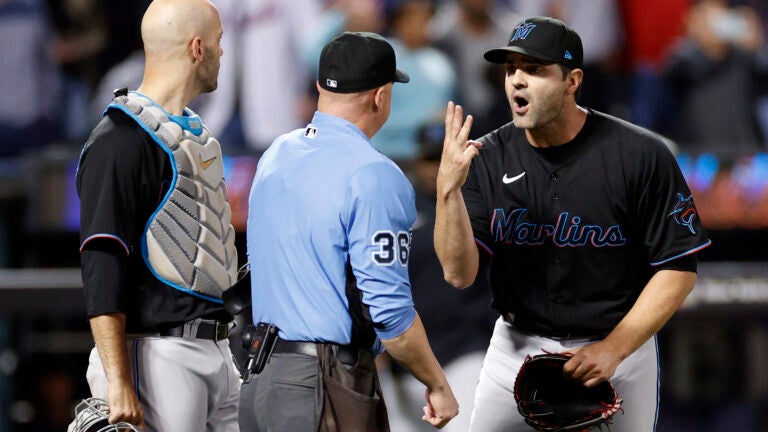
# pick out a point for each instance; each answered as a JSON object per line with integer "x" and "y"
{"x": 551, "y": 402}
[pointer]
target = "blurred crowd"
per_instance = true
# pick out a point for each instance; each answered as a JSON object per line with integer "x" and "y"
{"x": 692, "y": 70}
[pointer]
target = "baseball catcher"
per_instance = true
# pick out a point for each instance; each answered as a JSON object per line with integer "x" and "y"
{"x": 92, "y": 415}
{"x": 551, "y": 402}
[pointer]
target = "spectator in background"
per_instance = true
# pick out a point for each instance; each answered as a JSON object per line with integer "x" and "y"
{"x": 264, "y": 83}
{"x": 599, "y": 24}
{"x": 28, "y": 78}
{"x": 127, "y": 73}
{"x": 339, "y": 16}
{"x": 122, "y": 65}
{"x": 713, "y": 75}
{"x": 433, "y": 78}
{"x": 459, "y": 322}
{"x": 81, "y": 39}
{"x": 651, "y": 28}
{"x": 463, "y": 30}
{"x": 123, "y": 37}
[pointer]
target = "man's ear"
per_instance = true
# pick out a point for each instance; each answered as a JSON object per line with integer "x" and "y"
{"x": 378, "y": 99}
{"x": 574, "y": 80}
{"x": 196, "y": 49}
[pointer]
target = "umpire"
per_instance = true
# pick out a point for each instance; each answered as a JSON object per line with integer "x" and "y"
{"x": 329, "y": 248}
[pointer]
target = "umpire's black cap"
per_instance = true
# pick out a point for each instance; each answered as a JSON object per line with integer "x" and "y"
{"x": 358, "y": 61}
{"x": 544, "y": 38}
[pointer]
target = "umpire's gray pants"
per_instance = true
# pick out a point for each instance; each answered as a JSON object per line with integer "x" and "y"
{"x": 283, "y": 397}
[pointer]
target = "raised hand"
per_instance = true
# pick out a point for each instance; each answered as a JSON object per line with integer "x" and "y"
{"x": 458, "y": 151}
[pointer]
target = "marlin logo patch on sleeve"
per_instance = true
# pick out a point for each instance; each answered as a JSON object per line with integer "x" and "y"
{"x": 684, "y": 212}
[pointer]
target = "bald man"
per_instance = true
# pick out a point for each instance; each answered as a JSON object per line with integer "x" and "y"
{"x": 157, "y": 247}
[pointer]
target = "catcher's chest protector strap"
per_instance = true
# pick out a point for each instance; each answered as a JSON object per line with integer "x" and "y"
{"x": 189, "y": 242}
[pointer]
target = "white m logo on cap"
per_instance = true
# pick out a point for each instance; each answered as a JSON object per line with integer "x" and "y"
{"x": 522, "y": 31}
{"x": 331, "y": 83}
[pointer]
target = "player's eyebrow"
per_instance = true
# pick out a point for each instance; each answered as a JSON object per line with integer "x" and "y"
{"x": 524, "y": 60}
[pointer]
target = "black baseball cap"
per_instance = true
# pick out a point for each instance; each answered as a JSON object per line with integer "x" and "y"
{"x": 544, "y": 38}
{"x": 358, "y": 61}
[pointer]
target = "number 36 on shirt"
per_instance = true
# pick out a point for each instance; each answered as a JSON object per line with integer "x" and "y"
{"x": 391, "y": 247}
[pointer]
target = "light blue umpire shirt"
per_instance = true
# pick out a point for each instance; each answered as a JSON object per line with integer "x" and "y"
{"x": 324, "y": 199}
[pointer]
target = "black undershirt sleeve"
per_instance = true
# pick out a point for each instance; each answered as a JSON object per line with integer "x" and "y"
{"x": 104, "y": 266}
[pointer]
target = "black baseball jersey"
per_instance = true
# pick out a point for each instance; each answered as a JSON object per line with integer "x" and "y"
{"x": 575, "y": 232}
{"x": 122, "y": 177}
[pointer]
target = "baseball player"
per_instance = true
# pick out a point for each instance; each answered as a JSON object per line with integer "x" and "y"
{"x": 588, "y": 226}
{"x": 329, "y": 250}
{"x": 156, "y": 240}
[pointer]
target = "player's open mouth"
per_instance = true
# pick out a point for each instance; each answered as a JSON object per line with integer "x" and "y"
{"x": 520, "y": 104}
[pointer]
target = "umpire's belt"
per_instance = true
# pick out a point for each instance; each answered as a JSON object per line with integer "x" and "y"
{"x": 345, "y": 353}
{"x": 199, "y": 329}
{"x": 531, "y": 327}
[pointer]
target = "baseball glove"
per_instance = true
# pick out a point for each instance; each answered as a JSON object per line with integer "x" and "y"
{"x": 550, "y": 402}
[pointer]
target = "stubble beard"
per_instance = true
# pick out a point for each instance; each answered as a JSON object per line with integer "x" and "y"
{"x": 209, "y": 74}
{"x": 538, "y": 115}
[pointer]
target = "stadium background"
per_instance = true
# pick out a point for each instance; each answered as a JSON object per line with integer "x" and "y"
{"x": 714, "y": 351}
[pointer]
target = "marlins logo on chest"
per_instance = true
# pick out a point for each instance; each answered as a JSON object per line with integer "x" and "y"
{"x": 567, "y": 231}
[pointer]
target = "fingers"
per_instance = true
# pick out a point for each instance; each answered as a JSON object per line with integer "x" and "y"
{"x": 449, "y": 110}
{"x": 125, "y": 408}
{"x": 454, "y": 114}
{"x": 457, "y": 130}
{"x": 456, "y": 127}
{"x": 593, "y": 382}
{"x": 441, "y": 407}
{"x": 588, "y": 377}
{"x": 588, "y": 368}
{"x": 432, "y": 418}
{"x": 464, "y": 129}
{"x": 132, "y": 417}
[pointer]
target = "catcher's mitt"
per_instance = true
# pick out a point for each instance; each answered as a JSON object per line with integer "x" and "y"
{"x": 550, "y": 402}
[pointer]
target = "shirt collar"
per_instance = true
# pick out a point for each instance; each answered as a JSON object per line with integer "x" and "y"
{"x": 321, "y": 120}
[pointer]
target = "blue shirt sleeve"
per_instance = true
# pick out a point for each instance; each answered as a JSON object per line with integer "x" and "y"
{"x": 381, "y": 212}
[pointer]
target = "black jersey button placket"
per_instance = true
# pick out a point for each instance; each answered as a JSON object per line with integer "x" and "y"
{"x": 555, "y": 196}
{"x": 554, "y": 177}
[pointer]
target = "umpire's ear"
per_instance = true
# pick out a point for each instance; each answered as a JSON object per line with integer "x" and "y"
{"x": 382, "y": 98}
{"x": 238, "y": 297}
